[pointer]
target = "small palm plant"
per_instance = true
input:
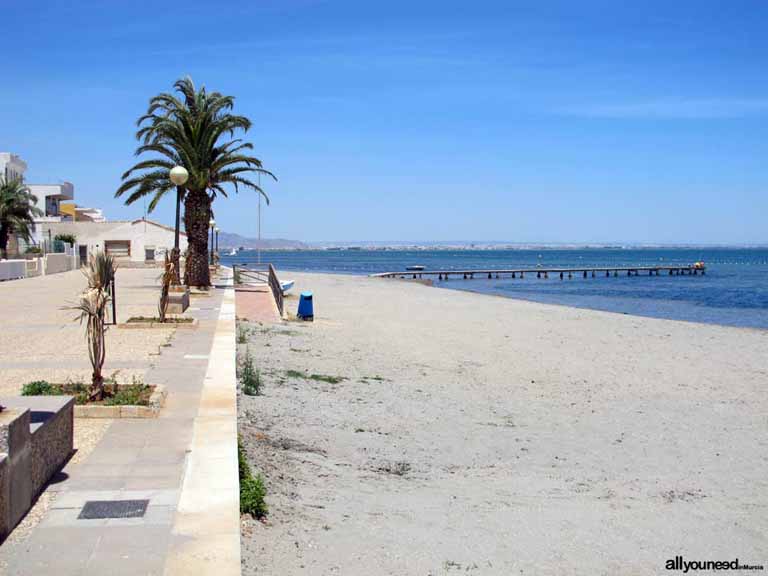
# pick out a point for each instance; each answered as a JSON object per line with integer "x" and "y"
{"x": 17, "y": 212}
{"x": 166, "y": 279}
{"x": 100, "y": 273}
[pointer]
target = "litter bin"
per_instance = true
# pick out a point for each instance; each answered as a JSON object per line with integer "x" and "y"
{"x": 305, "y": 307}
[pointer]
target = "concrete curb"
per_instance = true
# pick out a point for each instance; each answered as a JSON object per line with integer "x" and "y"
{"x": 206, "y": 529}
{"x": 158, "y": 325}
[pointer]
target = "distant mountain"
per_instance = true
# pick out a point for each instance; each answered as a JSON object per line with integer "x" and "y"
{"x": 228, "y": 240}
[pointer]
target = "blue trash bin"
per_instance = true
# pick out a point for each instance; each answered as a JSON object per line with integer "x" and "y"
{"x": 306, "y": 311}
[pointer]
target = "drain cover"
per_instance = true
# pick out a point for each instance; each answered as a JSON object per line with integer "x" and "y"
{"x": 95, "y": 509}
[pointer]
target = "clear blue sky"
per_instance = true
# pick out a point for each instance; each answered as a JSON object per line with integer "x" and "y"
{"x": 420, "y": 120}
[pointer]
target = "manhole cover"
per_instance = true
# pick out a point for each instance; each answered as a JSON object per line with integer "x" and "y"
{"x": 95, "y": 509}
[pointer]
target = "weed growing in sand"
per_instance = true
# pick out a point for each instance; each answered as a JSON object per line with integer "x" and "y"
{"x": 250, "y": 379}
{"x": 242, "y": 334}
{"x": 377, "y": 378}
{"x": 252, "y": 491}
{"x": 396, "y": 468}
{"x": 316, "y": 377}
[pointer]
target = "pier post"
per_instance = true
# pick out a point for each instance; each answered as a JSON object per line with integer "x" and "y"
{"x": 513, "y": 275}
{"x": 593, "y": 273}
{"x": 585, "y": 273}
{"x": 546, "y": 275}
{"x": 489, "y": 275}
{"x": 561, "y": 275}
{"x": 465, "y": 276}
{"x": 615, "y": 273}
{"x": 570, "y": 275}
{"x": 538, "y": 274}
{"x": 522, "y": 274}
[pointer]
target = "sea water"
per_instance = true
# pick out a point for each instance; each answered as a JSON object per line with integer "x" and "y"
{"x": 733, "y": 292}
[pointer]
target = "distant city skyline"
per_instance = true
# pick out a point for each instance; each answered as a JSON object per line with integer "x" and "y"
{"x": 534, "y": 122}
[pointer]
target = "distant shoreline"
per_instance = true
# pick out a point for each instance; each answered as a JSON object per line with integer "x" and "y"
{"x": 484, "y": 247}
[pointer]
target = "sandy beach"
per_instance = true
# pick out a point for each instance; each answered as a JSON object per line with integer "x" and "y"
{"x": 484, "y": 435}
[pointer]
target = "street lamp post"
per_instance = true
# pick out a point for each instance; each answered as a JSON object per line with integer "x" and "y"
{"x": 212, "y": 224}
{"x": 179, "y": 177}
{"x": 217, "y": 240}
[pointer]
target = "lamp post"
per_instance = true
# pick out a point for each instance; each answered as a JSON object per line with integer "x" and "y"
{"x": 212, "y": 224}
{"x": 179, "y": 177}
{"x": 217, "y": 240}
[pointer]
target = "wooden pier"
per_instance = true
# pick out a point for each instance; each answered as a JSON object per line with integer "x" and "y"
{"x": 562, "y": 273}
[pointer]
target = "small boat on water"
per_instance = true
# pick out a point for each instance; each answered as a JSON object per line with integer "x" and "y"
{"x": 414, "y": 268}
{"x": 232, "y": 252}
{"x": 286, "y": 285}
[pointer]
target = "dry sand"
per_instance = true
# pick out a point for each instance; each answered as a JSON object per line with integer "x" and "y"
{"x": 483, "y": 435}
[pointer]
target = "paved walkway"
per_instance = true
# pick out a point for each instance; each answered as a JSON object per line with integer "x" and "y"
{"x": 184, "y": 463}
{"x": 256, "y": 304}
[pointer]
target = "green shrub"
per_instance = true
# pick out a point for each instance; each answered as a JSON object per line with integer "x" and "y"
{"x": 252, "y": 491}
{"x": 130, "y": 395}
{"x": 250, "y": 379}
{"x": 34, "y": 250}
{"x": 66, "y": 238}
{"x": 39, "y": 388}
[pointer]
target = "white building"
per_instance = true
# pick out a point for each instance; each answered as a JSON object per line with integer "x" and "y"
{"x": 130, "y": 240}
{"x": 12, "y": 167}
{"x": 135, "y": 240}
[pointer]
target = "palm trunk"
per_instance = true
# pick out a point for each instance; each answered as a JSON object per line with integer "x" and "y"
{"x": 197, "y": 214}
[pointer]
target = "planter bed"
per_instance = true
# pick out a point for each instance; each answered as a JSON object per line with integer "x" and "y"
{"x": 147, "y": 400}
{"x": 142, "y": 322}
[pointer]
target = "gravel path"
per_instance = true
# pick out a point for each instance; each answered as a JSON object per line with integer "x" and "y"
{"x": 41, "y": 340}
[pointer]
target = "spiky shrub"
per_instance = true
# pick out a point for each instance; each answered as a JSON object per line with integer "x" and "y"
{"x": 92, "y": 306}
{"x": 166, "y": 279}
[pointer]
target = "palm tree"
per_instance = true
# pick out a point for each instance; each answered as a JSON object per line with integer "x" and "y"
{"x": 196, "y": 131}
{"x": 17, "y": 212}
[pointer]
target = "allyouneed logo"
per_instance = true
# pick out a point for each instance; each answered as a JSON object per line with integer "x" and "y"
{"x": 679, "y": 563}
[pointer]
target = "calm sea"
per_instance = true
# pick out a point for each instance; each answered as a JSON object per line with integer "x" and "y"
{"x": 733, "y": 292}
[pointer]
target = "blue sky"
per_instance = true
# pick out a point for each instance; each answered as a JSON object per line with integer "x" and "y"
{"x": 520, "y": 121}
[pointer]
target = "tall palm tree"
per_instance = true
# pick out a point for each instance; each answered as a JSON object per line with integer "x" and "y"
{"x": 17, "y": 212}
{"x": 195, "y": 130}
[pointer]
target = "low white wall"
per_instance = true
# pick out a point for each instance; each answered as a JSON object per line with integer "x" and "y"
{"x": 12, "y": 269}
{"x": 34, "y": 267}
{"x": 55, "y": 263}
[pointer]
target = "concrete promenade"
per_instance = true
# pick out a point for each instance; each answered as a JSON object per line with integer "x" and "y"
{"x": 184, "y": 463}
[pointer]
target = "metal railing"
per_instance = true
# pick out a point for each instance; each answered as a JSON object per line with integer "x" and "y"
{"x": 277, "y": 288}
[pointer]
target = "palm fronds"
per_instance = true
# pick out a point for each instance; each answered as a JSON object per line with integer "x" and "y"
{"x": 17, "y": 212}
